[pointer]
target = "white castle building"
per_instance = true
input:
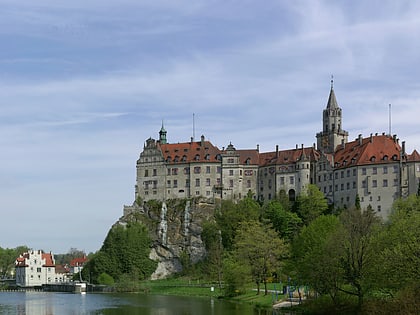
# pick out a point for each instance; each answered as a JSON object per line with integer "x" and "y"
{"x": 375, "y": 168}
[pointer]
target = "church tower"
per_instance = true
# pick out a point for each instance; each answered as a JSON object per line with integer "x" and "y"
{"x": 332, "y": 133}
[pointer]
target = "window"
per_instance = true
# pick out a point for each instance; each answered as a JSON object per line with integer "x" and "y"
{"x": 184, "y": 158}
{"x": 364, "y": 171}
{"x": 197, "y": 157}
{"x": 207, "y": 193}
{"x": 364, "y": 184}
{"x": 218, "y": 170}
{"x": 330, "y": 188}
{"x": 169, "y": 171}
{"x": 207, "y": 169}
{"x": 385, "y": 170}
{"x": 146, "y": 173}
{"x": 248, "y": 172}
{"x": 207, "y": 181}
{"x": 395, "y": 168}
{"x": 374, "y": 183}
{"x": 385, "y": 183}
{"x": 336, "y": 175}
{"x": 175, "y": 171}
{"x": 186, "y": 170}
{"x": 354, "y": 185}
{"x": 230, "y": 160}
{"x": 154, "y": 184}
{"x": 231, "y": 183}
{"x": 336, "y": 187}
{"x": 187, "y": 183}
{"x": 348, "y": 186}
{"x": 248, "y": 184}
{"x": 207, "y": 157}
{"x": 379, "y": 198}
{"x": 348, "y": 173}
{"x": 230, "y": 172}
{"x": 38, "y": 269}
{"x": 342, "y": 174}
{"x": 374, "y": 170}
{"x": 379, "y": 208}
{"x": 197, "y": 193}
{"x": 197, "y": 170}
{"x": 291, "y": 180}
{"x": 175, "y": 183}
{"x": 168, "y": 183}
{"x": 395, "y": 181}
{"x": 154, "y": 172}
{"x": 197, "y": 182}
{"x": 342, "y": 186}
{"x": 354, "y": 172}
{"x": 282, "y": 180}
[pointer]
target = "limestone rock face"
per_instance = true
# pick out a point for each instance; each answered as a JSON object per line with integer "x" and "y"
{"x": 175, "y": 228}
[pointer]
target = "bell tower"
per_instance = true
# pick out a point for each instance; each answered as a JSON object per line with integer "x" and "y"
{"x": 332, "y": 133}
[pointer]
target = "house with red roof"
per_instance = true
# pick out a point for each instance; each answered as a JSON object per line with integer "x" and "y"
{"x": 35, "y": 268}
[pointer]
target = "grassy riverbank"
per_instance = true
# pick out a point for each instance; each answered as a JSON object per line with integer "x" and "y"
{"x": 199, "y": 288}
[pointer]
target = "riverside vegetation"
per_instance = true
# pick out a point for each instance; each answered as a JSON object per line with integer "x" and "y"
{"x": 352, "y": 262}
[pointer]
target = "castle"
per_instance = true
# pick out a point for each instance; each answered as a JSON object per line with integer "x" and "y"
{"x": 376, "y": 169}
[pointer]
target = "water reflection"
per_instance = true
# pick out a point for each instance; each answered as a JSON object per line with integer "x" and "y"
{"x": 49, "y": 303}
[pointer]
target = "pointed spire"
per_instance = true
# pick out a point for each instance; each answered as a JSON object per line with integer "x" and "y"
{"x": 332, "y": 101}
{"x": 162, "y": 135}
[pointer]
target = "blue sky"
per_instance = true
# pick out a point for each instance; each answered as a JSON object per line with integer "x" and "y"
{"x": 85, "y": 83}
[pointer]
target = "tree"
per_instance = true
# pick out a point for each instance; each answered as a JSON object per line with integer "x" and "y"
{"x": 230, "y": 215}
{"x": 7, "y": 259}
{"x": 259, "y": 247}
{"x": 398, "y": 247}
{"x": 125, "y": 251}
{"x": 212, "y": 238}
{"x": 286, "y": 223}
{"x": 310, "y": 204}
{"x": 316, "y": 255}
{"x": 359, "y": 228}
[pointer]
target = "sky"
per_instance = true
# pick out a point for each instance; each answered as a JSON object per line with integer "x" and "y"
{"x": 83, "y": 84}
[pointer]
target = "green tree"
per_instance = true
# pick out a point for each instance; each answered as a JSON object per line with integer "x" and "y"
{"x": 230, "y": 215}
{"x": 316, "y": 256}
{"x": 358, "y": 232}
{"x": 310, "y": 204}
{"x": 398, "y": 247}
{"x": 259, "y": 246}
{"x": 125, "y": 251}
{"x": 212, "y": 238}
{"x": 7, "y": 259}
{"x": 285, "y": 222}
{"x": 235, "y": 276}
{"x": 105, "y": 279}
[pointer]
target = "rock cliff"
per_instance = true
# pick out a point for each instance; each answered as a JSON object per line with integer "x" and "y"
{"x": 175, "y": 228}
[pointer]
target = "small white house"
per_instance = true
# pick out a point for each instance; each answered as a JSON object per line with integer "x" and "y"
{"x": 35, "y": 268}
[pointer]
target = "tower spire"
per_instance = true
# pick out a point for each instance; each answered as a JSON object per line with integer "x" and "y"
{"x": 332, "y": 82}
{"x": 162, "y": 135}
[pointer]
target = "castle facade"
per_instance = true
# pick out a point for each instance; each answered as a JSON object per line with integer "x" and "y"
{"x": 376, "y": 169}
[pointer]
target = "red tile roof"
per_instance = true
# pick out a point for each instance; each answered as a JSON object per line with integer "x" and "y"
{"x": 186, "y": 152}
{"x": 287, "y": 156}
{"x": 49, "y": 260}
{"x": 414, "y": 157}
{"x": 371, "y": 150}
{"x": 77, "y": 262}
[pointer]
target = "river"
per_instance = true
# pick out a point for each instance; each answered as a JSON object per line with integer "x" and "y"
{"x": 51, "y": 303}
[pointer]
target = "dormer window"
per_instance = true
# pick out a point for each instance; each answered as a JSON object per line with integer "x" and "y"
{"x": 247, "y": 161}
{"x": 184, "y": 158}
{"x": 168, "y": 159}
{"x": 218, "y": 157}
{"x": 373, "y": 159}
{"x": 176, "y": 159}
{"x": 197, "y": 157}
{"x": 394, "y": 157}
{"x": 207, "y": 157}
{"x": 385, "y": 157}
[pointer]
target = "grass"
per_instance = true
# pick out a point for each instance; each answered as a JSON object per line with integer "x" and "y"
{"x": 199, "y": 288}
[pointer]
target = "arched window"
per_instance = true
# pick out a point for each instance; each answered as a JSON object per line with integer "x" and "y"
{"x": 197, "y": 157}
{"x": 292, "y": 195}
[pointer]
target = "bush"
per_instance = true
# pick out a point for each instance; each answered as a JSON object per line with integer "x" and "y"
{"x": 105, "y": 279}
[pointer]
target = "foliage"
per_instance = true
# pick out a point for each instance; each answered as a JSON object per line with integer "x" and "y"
{"x": 230, "y": 215}
{"x": 315, "y": 258}
{"x": 285, "y": 222}
{"x": 105, "y": 279}
{"x": 310, "y": 204}
{"x": 125, "y": 251}
{"x": 7, "y": 259}
{"x": 259, "y": 247}
{"x": 213, "y": 264}
{"x": 73, "y": 253}
{"x": 235, "y": 276}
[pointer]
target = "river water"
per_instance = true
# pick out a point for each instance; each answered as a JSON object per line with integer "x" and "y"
{"x": 50, "y": 303}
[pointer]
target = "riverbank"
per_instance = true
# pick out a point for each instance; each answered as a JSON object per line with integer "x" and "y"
{"x": 199, "y": 288}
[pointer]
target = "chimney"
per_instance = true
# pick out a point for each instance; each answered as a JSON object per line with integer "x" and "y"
{"x": 313, "y": 145}
{"x": 296, "y": 146}
{"x": 202, "y": 141}
{"x": 258, "y": 147}
{"x": 371, "y": 137}
{"x": 343, "y": 144}
{"x": 394, "y": 137}
{"x": 192, "y": 139}
{"x": 403, "y": 147}
{"x": 376, "y": 134}
{"x": 360, "y": 139}
{"x": 277, "y": 151}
